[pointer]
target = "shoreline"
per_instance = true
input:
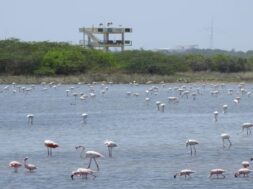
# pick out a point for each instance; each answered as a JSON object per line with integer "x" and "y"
{"x": 120, "y": 78}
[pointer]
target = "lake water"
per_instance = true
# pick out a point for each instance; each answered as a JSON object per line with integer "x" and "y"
{"x": 151, "y": 144}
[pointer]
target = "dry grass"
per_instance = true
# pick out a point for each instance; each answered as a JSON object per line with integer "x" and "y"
{"x": 126, "y": 78}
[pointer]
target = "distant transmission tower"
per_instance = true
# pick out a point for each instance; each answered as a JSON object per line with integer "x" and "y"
{"x": 211, "y": 35}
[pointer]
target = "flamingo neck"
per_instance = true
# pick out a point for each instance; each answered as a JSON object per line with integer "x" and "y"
{"x": 82, "y": 155}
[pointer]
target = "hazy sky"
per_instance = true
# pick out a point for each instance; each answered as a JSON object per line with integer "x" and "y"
{"x": 155, "y": 23}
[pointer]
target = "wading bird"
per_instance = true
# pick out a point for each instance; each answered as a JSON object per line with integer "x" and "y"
{"x": 83, "y": 172}
{"x": 243, "y": 171}
{"x": 110, "y": 144}
{"x": 247, "y": 126}
{"x": 225, "y": 108}
{"x": 50, "y": 144}
{"x": 215, "y": 113}
{"x": 217, "y": 172}
{"x": 192, "y": 143}
{"x": 30, "y": 118}
{"x": 15, "y": 165}
{"x": 185, "y": 173}
{"x": 84, "y": 116}
{"x": 224, "y": 137}
{"x": 245, "y": 164}
{"x": 28, "y": 166}
{"x": 89, "y": 154}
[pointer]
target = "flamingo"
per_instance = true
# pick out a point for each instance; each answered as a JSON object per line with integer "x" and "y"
{"x": 192, "y": 143}
{"x": 161, "y": 107}
{"x": 237, "y": 100}
{"x": 247, "y": 126}
{"x": 215, "y": 113}
{"x": 110, "y": 144}
{"x": 84, "y": 116}
{"x": 173, "y": 99}
{"x": 90, "y": 154}
{"x": 185, "y": 173}
{"x": 158, "y": 104}
{"x": 224, "y": 137}
{"x": 15, "y": 165}
{"x": 243, "y": 171}
{"x": 245, "y": 164}
{"x": 50, "y": 144}
{"x": 217, "y": 172}
{"x": 147, "y": 100}
{"x": 83, "y": 172}
{"x": 225, "y": 108}
{"x": 30, "y": 118}
{"x": 30, "y": 167}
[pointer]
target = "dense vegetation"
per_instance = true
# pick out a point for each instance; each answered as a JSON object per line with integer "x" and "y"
{"x": 50, "y": 58}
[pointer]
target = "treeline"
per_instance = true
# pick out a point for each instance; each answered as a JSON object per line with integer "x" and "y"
{"x": 51, "y": 58}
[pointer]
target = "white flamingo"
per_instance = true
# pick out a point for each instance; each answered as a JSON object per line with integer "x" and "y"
{"x": 161, "y": 107}
{"x": 225, "y": 108}
{"x": 192, "y": 143}
{"x": 158, "y": 104}
{"x": 243, "y": 171}
{"x": 89, "y": 154}
{"x": 185, "y": 173}
{"x": 50, "y": 145}
{"x": 215, "y": 113}
{"x": 30, "y": 118}
{"x": 217, "y": 172}
{"x": 224, "y": 137}
{"x": 83, "y": 172}
{"x": 237, "y": 100}
{"x": 84, "y": 116}
{"x": 110, "y": 144}
{"x": 15, "y": 165}
{"x": 29, "y": 166}
{"x": 247, "y": 126}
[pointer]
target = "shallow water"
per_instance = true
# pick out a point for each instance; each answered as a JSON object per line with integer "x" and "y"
{"x": 151, "y": 144}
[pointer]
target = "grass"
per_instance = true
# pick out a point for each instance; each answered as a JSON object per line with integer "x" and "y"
{"x": 126, "y": 78}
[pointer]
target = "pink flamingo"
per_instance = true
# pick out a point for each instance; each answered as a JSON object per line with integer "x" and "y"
{"x": 185, "y": 173}
{"x": 243, "y": 171}
{"x": 83, "y": 172}
{"x": 15, "y": 165}
{"x": 50, "y": 144}
{"x": 217, "y": 172}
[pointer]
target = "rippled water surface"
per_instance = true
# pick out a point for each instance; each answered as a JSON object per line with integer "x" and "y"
{"x": 151, "y": 144}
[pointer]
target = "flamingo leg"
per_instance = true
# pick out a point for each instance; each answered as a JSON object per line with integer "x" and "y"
{"x": 195, "y": 152}
{"x": 230, "y": 143}
{"x": 47, "y": 151}
{"x": 110, "y": 151}
{"x": 89, "y": 163}
{"x": 96, "y": 163}
{"x": 93, "y": 176}
{"x": 191, "y": 150}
